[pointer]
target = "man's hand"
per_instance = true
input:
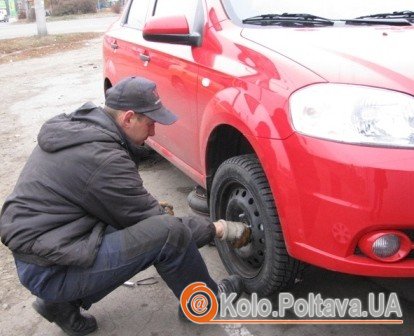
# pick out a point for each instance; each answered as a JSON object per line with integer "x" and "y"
{"x": 236, "y": 233}
{"x": 168, "y": 208}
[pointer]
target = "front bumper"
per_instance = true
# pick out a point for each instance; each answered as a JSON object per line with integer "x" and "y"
{"x": 330, "y": 194}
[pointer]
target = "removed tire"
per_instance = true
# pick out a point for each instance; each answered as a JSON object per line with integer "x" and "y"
{"x": 240, "y": 192}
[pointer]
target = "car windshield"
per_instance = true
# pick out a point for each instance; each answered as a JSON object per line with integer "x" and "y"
{"x": 330, "y": 9}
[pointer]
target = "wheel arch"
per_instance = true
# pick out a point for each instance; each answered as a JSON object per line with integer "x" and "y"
{"x": 227, "y": 131}
{"x": 232, "y": 123}
{"x": 224, "y": 142}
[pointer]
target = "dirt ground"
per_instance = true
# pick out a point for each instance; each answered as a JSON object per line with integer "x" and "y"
{"x": 22, "y": 48}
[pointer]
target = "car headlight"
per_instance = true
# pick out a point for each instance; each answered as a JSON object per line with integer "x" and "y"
{"x": 354, "y": 114}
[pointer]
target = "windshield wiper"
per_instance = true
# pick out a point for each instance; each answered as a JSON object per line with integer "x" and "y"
{"x": 289, "y": 19}
{"x": 401, "y": 18}
{"x": 407, "y": 14}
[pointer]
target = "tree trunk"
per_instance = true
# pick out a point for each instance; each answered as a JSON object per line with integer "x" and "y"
{"x": 40, "y": 17}
{"x": 25, "y": 6}
{"x": 7, "y": 7}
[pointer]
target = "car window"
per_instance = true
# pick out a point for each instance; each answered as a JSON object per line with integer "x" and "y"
{"x": 137, "y": 14}
{"x": 333, "y": 9}
{"x": 181, "y": 7}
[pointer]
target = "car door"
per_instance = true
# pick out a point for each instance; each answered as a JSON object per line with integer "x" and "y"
{"x": 173, "y": 68}
{"x": 124, "y": 44}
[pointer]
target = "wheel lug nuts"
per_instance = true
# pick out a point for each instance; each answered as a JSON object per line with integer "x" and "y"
{"x": 242, "y": 218}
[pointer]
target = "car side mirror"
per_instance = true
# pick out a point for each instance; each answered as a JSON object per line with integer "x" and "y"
{"x": 170, "y": 29}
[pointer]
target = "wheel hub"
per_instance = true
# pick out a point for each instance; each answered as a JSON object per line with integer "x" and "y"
{"x": 241, "y": 207}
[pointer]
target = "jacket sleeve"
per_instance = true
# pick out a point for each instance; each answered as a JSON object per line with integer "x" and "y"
{"x": 116, "y": 195}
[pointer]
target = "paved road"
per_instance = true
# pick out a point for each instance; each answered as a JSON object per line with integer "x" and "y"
{"x": 11, "y": 30}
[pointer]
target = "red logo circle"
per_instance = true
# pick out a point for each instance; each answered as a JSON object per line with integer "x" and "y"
{"x": 199, "y": 303}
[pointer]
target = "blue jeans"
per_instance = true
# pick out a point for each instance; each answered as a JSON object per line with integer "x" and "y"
{"x": 169, "y": 243}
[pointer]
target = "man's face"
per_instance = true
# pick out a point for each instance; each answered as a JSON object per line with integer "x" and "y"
{"x": 138, "y": 128}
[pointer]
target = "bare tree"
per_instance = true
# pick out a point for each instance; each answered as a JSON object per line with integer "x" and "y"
{"x": 40, "y": 17}
{"x": 7, "y": 7}
{"x": 25, "y": 6}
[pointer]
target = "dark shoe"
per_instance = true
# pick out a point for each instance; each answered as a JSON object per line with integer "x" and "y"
{"x": 67, "y": 316}
{"x": 231, "y": 284}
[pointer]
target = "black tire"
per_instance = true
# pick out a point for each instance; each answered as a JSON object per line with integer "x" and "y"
{"x": 240, "y": 191}
{"x": 197, "y": 201}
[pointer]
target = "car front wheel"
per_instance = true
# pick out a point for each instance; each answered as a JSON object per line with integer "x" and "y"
{"x": 240, "y": 192}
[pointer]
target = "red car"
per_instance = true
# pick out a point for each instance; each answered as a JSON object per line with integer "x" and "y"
{"x": 296, "y": 117}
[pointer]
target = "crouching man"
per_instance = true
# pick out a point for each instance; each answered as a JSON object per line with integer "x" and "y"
{"x": 80, "y": 222}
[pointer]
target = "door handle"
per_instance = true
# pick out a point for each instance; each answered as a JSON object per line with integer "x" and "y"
{"x": 114, "y": 45}
{"x": 144, "y": 58}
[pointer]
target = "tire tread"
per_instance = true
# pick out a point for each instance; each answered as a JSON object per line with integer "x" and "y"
{"x": 283, "y": 269}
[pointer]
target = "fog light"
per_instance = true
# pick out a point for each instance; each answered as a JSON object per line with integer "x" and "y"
{"x": 386, "y": 246}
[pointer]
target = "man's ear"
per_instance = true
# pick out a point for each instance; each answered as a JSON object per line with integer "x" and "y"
{"x": 126, "y": 118}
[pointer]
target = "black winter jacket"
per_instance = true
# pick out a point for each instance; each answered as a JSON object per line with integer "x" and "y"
{"x": 80, "y": 178}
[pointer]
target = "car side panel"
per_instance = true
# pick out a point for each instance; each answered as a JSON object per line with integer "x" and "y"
{"x": 176, "y": 76}
{"x": 125, "y": 55}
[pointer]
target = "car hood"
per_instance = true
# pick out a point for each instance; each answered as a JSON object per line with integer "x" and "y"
{"x": 357, "y": 55}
